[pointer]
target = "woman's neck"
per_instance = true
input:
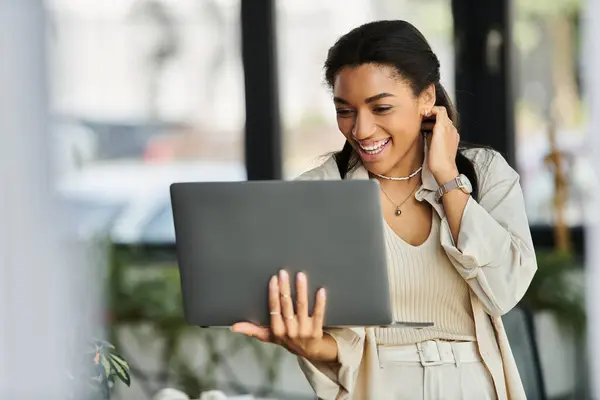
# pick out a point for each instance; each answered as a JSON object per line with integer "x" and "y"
{"x": 411, "y": 162}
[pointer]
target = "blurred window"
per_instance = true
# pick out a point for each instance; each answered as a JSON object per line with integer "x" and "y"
{"x": 548, "y": 98}
{"x": 149, "y": 85}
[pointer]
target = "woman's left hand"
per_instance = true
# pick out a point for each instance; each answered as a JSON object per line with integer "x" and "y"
{"x": 443, "y": 145}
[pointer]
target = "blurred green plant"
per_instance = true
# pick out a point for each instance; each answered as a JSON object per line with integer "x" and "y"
{"x": 555, "y": 290}
{"x": 97, "y": 371}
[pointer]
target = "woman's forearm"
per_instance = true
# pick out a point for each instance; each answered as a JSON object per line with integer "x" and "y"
{"x": 454, "y": 203}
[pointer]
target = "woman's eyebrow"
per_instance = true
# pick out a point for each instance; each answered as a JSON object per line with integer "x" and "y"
{"x": 367, "y": 100}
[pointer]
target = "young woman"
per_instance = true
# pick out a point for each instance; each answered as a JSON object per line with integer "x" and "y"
{"x": 459, "y": 248}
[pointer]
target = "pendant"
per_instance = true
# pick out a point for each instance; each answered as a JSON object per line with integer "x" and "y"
{"x": 398, "y": 211}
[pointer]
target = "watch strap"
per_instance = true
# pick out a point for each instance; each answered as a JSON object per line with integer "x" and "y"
{"x": 448, "y": 186}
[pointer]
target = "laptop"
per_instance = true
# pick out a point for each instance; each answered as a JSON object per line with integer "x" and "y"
{"x": 232, "y": 237}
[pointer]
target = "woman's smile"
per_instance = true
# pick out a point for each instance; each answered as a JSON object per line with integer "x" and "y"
{"x": 373, "y": 150}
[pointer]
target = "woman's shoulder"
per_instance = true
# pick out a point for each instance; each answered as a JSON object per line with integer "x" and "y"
{"x": 328, "y": 170}
{"x": 489, "y": 164}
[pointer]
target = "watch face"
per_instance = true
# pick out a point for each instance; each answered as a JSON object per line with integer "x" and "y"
{"x": 465, "y": 184}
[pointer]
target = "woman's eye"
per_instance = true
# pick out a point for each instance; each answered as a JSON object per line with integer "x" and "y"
{"x": 342, "y": 112}
{"x": 382, "y": 109}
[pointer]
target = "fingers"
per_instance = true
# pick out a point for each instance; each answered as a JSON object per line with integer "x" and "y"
{"x": 442, "y": 120}
{"x": 251, "y": 330}
{"x": 440, "y": 115}
{"x": 287, "y": 305}
{"x": 277, "y": 325}
{"x": 285, "y": 324}
{"x": 304, "y": 322}
{"x": 301, "y": 297}
{"x": 318, "y": 316}
{"x": 438, "y": 111}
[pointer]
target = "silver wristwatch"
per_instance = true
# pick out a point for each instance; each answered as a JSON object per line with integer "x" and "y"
{"x": 460, "y": 182}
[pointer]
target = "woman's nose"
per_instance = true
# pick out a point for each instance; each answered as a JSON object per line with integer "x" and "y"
{"x": 363, "y": 127}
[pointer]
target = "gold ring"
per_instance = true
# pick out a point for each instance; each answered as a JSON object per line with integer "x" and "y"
{"x": 290, "y": 317}
{"x": 275, "y": 313}
{"x": 285, "y": 296}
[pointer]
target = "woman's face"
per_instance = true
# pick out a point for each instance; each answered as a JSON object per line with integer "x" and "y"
{"x": 379, "y": 114}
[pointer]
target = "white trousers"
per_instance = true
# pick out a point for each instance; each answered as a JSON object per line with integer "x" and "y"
{"x": 435, "y": 370}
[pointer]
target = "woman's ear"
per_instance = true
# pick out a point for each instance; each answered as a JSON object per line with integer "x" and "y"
{"x": 427, "y": 98}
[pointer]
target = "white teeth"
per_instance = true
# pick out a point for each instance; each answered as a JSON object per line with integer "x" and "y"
{"x": 374, "y": 148}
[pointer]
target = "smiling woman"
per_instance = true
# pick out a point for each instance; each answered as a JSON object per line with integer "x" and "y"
{"x": 406, "y": 78}
{"x": 458, "y": 246}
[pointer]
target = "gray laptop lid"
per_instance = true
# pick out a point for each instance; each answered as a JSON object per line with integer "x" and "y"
{"x": 232, "y": 236}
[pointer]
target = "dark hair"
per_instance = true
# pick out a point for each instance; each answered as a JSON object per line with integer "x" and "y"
{"x": 400, "y": 45}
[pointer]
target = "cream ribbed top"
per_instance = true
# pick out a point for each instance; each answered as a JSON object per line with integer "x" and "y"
{"x": 425, "y": 286}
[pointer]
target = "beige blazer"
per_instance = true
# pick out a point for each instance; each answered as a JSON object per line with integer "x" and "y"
{"x": 495, "y": 256}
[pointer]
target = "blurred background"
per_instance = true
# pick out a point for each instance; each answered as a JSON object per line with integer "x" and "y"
{"x": 143, "y": 93}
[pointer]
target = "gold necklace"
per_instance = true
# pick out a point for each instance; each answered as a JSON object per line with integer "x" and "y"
{"x": 398, "y": 211}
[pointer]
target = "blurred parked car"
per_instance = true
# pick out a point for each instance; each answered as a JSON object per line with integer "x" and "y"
{"x": 129, "y": 201}
{"x": 127, "y": 138}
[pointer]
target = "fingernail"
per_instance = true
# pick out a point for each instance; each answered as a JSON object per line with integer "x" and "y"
{"x": 301, "y": 276}
{"x": 322, "y": 292}
{"x": 273, "y": 281}
{"x": 283, "y": 275}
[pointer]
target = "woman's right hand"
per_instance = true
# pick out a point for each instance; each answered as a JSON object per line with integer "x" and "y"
{"x": 299, "y": 332}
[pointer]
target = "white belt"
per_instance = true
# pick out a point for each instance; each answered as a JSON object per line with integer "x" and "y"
{"x": 430, "y": 353}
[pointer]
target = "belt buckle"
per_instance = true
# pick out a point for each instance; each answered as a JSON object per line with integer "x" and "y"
{"x": 422, "y": 349}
